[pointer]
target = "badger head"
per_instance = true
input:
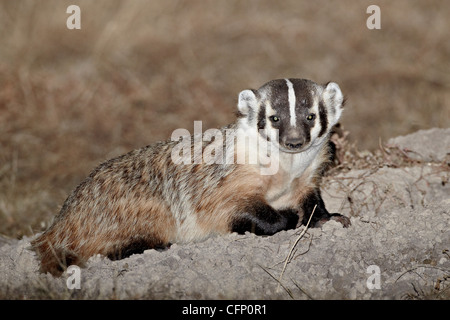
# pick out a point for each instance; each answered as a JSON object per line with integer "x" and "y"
{"x": 299, "y": 112}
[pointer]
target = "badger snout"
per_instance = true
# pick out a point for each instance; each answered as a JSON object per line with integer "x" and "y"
{"x": 293, "y": 143}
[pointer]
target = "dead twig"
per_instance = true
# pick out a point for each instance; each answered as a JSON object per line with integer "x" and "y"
{"x": 422, "y": 266}
{"x": 301, "y": 290}
{"x": 279, "y": 283}
{"x": 293, "y": 246}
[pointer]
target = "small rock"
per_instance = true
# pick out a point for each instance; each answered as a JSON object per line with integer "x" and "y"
{"x": 425, "y": 145}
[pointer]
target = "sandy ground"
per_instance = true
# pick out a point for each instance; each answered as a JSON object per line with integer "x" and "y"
{"x": 397, "y": 247}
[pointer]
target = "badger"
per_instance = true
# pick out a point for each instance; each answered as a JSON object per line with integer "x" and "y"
{"x": 146, "y": 200}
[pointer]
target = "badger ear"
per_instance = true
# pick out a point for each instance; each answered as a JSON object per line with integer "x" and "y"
{"x": 247, "y": 102}
{"x": 333, "y": 98}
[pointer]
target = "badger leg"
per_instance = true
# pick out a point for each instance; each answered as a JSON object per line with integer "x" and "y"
{"x": 53, "y": 258}
{"x": 321, "y": 214}
{"x": 262, "y": 219}
{"x": 136, "y": 246}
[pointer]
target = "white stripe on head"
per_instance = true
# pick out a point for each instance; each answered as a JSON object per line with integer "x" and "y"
{"x": 291, "y": 97}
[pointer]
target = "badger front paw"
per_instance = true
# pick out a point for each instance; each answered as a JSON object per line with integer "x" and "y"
{"x": 345, "y": 221}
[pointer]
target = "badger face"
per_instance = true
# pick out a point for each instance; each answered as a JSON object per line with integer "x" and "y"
{"x": 300, "y": 112}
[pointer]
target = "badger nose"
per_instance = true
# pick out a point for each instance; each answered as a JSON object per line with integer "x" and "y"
{"x": 294, "y": 143}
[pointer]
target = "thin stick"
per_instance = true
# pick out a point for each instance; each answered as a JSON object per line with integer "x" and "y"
{"x": 286, "y": 289}
{"x": 421, "y": 266}
{"x": 293, "y": 246}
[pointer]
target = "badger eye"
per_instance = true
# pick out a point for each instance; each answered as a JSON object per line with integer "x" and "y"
{"x": 274, "y": 118}
{"x": 310, "y": 117}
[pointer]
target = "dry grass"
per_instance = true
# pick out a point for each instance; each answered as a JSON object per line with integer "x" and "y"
{"x": 137, "y": 70}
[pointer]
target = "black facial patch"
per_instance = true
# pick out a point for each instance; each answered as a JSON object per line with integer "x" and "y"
{"x": 262, "y": 117}
{"x": 302, "y": 89}
{"x": 323, "y": 119}
{"x": 280, "y": 103}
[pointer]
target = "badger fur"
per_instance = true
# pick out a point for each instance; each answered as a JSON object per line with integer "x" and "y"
{"x": 144, "y": 199}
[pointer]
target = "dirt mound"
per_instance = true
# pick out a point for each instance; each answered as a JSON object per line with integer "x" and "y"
{"x": 397, "y": 247}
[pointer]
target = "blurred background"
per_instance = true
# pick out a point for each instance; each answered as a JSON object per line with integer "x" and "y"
{"x": 137, "y": 70}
